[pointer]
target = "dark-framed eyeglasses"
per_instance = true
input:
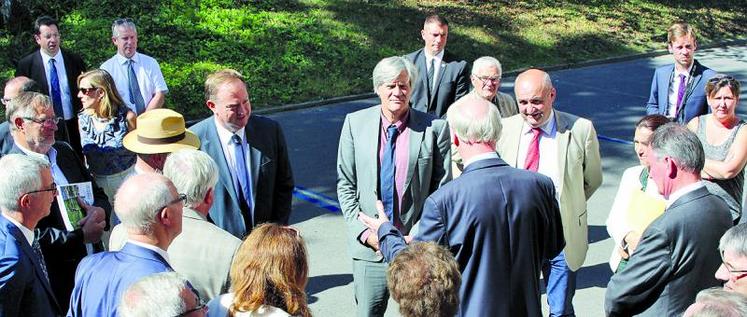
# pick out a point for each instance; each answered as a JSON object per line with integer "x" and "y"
{"x": 201, "y": 305}
{"x": 47, "y": 121}
{"x": 735, "y": 274}
{"x": 489, "y": 79}
{"x": 52, "y": 187}
{"x": 87, "y": 91}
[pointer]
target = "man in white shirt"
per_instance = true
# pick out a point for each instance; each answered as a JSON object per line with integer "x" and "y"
{"x": 138, "y": 76}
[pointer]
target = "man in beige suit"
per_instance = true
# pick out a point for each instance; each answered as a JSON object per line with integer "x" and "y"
{"x": 202, "y": 252}
{"x": 391, "y": 153}
{"x": 565, "y": 148}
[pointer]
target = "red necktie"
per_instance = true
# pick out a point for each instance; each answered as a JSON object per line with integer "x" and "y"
{"x": 532, "y": 161}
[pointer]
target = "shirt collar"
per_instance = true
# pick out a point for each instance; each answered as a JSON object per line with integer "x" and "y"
{"x": 481, "y": 157}
{"x": 123, "y": 60}
{"x": 683, "y": 191}
{"x": 57, "y": 57}
{"x": 400, "y": 124}
{"x": 686, "y": 73}
{"x": 161, "y": 252}
{"x": 438, "y": 56}
{"x": 191, "y": 213}
{"x": 50, "y": 157}
{"x": 225, "y": 136}
{"x": 27, "y": 233}
{"x": 548, "y": 128}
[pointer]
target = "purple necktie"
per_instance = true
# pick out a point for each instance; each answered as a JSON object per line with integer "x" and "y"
{"x": 680, "y": 94}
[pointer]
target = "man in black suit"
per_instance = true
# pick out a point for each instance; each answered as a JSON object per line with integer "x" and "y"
{"x": 56, "y": 71}
{"x": 258, "y": 186}
{"x": 13, "y": 87}
{"x": 500, "y": 222}
{"x": 26, "y": 192}
{"x": 678, "y": 252}
{"x": 443, "y": 77}
{"x": 63, "y": 243}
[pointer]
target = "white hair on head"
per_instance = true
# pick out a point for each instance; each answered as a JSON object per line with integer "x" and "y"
{"x": 156, "y": 295}
{"x": 140, "y": 198}
{"x": 193, "y": 173}
{"x": 21, "y": 174}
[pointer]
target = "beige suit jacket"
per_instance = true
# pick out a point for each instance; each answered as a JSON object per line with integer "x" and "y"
{"x": 579, "y": 170}
{"x": 202, "y": 253}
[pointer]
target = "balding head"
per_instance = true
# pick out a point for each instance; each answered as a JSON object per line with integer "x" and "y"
{"x": 535, "y": 96}
{"x": 15, "y": 86}
{"x": 476, "y": 124}
{"x": 146, "y": 214}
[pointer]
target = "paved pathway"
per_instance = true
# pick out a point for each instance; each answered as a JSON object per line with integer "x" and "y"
{"x": 611, "y": 95}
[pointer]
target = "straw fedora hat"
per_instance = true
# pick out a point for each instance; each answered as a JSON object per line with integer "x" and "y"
{"x": 160, "y": 131}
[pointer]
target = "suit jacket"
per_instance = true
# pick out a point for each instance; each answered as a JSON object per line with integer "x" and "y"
{"x": 6, "y": 140}
{"x": 102, "y": 278}
{"x": 358, "y": 170}
{"x": 272, "y": 177}
{"x": 694, "y": 99}
{"x": 63, "y": 250}
{"x": 500, "y": 223}
{"x": 451, "y": 84}
{"x": 579, "y": 170}
{"x": 24, "y": 290}
{"x": 32, "y": 66}
{"x": 674, "y": 260}
{"x": 202, "y": 253}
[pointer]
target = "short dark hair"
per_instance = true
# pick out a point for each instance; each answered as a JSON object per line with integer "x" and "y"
{"x": 652, "y": 122}
{"x": 435, "y": 18}
{"x": 42, "y": 21}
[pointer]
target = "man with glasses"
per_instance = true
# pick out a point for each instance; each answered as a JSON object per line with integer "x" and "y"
{"x": 57, "y": 72}
{"x": 163, "y": 294}
{"x": 64, "y": 243}
{"x": 26, "y": 193}
{"x": 677, "y": 253}
{"x": 137, "y": 76}
{"x": 733, "y": 269}
{"x": 151, "y": 211}
{"x": 13, "y": 87}
{"x": 486, "y": 81}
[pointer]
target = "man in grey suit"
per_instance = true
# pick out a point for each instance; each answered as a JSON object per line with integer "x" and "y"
{"x": 202, "y": 252}
{"x": 258, "y": 186}
{"x": 677, "y": 253}
{"x": 392, "y": 153}
{"x": 443, "y": 77}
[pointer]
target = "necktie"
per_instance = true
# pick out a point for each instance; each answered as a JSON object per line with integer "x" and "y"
{"x": 386, "y": 178}
{"x": 54, "y": 85}
{"x": 431, "y": 80}
{"x": 531, "y": 163}
{"x": 680, "y": 94}
{"x": 242, "y": 174}
{"x": 40, "y": 257}
{"x": 135, "y": 97}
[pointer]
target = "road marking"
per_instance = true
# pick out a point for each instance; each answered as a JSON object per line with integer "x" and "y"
{"x": 330, "y": 204}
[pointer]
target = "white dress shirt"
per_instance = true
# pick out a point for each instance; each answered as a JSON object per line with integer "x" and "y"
{"x": 65, "y": 93}
{"x": 148, "y": 73}
{"x": 548, "y": 149}
{"x": 683, "y": 191}
{"x": 436, "y": 63}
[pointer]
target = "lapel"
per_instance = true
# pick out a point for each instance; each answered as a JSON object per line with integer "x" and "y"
{"x": 211, "y": 145}
{"x": 441, "y": 71}
{"x": 663, "y": 82}
{"x": 694, "y": 81}
{"x": 514, "y": 124}
{"x": 370, "y": 130}
{"x": 563, "y": 138}
{"x": 417, "y": 128}
{"x": 257, "y": 159}
{"x": 687, "y": 198}
{"x": 423, "y": 70}
{"x": 31, "y": 255}
{"x": 38, "y": 65}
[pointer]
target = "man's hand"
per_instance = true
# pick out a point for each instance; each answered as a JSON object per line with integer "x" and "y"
{"x": 373, "y": 241}
{"x": 93, "y": 223}
{"x": 632, "y": 238}
{"x": 374, "y": 223}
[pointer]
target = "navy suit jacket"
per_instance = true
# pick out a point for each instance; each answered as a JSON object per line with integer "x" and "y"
{"x": 102, "y": 278}
{"x": 694, "y": 99}
{"x": 452, "y": 83}
{"x": 63, "y": 250}
{"x": 32, "y": 66}
{"x": 272, "y": 178}
{"x": 500, "y": 223}
{"x": 24, "y": 290}
{"x": 6, "y": 140}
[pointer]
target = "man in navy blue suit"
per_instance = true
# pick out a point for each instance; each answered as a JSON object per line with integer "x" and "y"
{"x": 678, "y": 90}
{"x": 152, "y": 221}
{"x": 499, "y": 222}
{"x": 27, "y": 190}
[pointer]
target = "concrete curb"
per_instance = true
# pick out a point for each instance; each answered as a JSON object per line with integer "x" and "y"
{"x": 510, "y": 74}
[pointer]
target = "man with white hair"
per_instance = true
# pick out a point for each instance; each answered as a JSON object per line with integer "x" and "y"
{"x": 137, "y": 76}
{"x": 393, "y": 153}
{"x": 202, "y": 252}
{"x": 486, "y": 80}
{"x": 161, "y": 295}
{"x": 499, "y": 222}
{"x": 733, "y": 269}
{"x": 152, "y": 222}
{"x": 26, "y": 193}
{"x": 717, "y": 302}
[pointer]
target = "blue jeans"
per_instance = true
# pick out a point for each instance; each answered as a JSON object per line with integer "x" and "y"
{"x": 560, "y": 285}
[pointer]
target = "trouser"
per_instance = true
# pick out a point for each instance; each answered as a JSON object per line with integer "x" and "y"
{"x": 560, "y": 285}
{"x": 369, "y": 283}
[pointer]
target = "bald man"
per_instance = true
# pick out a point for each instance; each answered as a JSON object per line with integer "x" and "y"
{"x": 13, "y": 87}
{"x": 563, "y": 147}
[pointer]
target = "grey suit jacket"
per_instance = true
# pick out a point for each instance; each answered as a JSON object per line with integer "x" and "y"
{"x": 676, "y": 258}
{"x": 358, "y": 170}
{"x": 272, "y": 178}
{"x": 202, "y": 253}
{"x": 452, "y": 83}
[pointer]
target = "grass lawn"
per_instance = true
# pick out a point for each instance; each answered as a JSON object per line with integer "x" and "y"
{"x": 294, "y": 51}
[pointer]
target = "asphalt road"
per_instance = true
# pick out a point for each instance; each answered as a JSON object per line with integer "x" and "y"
{"x": 611, "y": 95}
